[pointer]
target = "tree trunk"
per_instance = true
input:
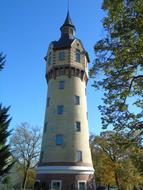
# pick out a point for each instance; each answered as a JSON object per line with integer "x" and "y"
{"x": 25, "y": 177}
{"x": 117, "y": 180}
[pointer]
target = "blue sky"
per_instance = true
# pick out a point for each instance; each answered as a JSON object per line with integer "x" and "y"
{"x": 26, "y": 29}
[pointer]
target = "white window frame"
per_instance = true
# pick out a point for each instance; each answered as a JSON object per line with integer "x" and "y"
{"x": 79, "y": 156}
{"x": 82, "y": 181}
{"x": 56, "y": 181}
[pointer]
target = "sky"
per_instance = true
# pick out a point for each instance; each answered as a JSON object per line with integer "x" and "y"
{"x": 26, "y": 29}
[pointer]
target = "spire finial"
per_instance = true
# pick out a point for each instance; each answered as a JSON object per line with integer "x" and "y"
{"x": 68, "y": 6}
{"x": 68, "y": 29}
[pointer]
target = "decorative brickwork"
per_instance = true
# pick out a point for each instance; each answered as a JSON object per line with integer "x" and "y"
{"x": 67, "y": 71}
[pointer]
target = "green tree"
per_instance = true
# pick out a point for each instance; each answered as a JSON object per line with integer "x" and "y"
{"x": 5, "y": 154}
{"x": 119, "y": 63}
{"x": 112, "y": 158}
{"x": 2, "y": 61}
{"x": 26, "y": 143}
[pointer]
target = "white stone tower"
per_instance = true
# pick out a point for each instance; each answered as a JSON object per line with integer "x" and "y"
{"x": 65, "y": 162}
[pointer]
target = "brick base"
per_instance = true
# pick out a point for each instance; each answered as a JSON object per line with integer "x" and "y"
{"x": 69, "y": 181}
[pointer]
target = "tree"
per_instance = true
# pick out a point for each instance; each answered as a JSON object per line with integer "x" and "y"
{"x": 112, "y": 158}
{"x": 119, "y": 62}
{"x": 2, "y": 61}
{"x": 25, "y": 143}
{"x": 5, "y": 154}
{"x": 104, "y": 174}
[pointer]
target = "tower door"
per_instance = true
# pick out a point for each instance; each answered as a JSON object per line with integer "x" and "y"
{"x": 82, "y": 185}
{"x": 56, "y": 185}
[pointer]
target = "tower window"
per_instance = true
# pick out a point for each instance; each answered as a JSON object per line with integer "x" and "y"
{"x": 59, "y": 139}
{"x": 78, "y": 156}
{"x": 77, "y": 126}
{"x": 71, "y": 31}
{"x": 77, "y": 100}
{"x": 61, "y": 84}
{"x": 62, "y": 71}
{"x": 77, "y": 72}
{"x": 77, "y": 55}
{"x": 60, "y": 110}
{"x": 61, "y": 55}
{"x": 45, "y": 127}
{"x": 41, "y": 156}
{"x": 49, "y": 60}
{"x": 48, "y": 101}
{"x": 82, "y": 185}
{"x": 56, "y": 184}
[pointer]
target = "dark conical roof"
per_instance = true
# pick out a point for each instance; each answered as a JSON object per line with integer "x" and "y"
{"x": 67, "y": 35}
{"x": 68, "y": 21}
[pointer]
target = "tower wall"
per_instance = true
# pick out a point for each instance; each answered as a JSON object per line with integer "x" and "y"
{"x": 65, "y": 161}
{"x": 65, "y": 124}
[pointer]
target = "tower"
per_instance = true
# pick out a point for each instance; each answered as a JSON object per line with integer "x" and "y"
{"x": 65, "y": 161}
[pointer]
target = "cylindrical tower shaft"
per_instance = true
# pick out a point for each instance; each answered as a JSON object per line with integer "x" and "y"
{"x": 65, "y": 161}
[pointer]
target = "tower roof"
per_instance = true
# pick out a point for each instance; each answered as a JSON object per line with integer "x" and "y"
{"x": 67, "y": 34}
{"x": 68, "y": 21}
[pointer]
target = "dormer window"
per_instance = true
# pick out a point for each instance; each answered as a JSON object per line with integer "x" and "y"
{"x": 78, "y": 55}
{"x": 61, "y": 55}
